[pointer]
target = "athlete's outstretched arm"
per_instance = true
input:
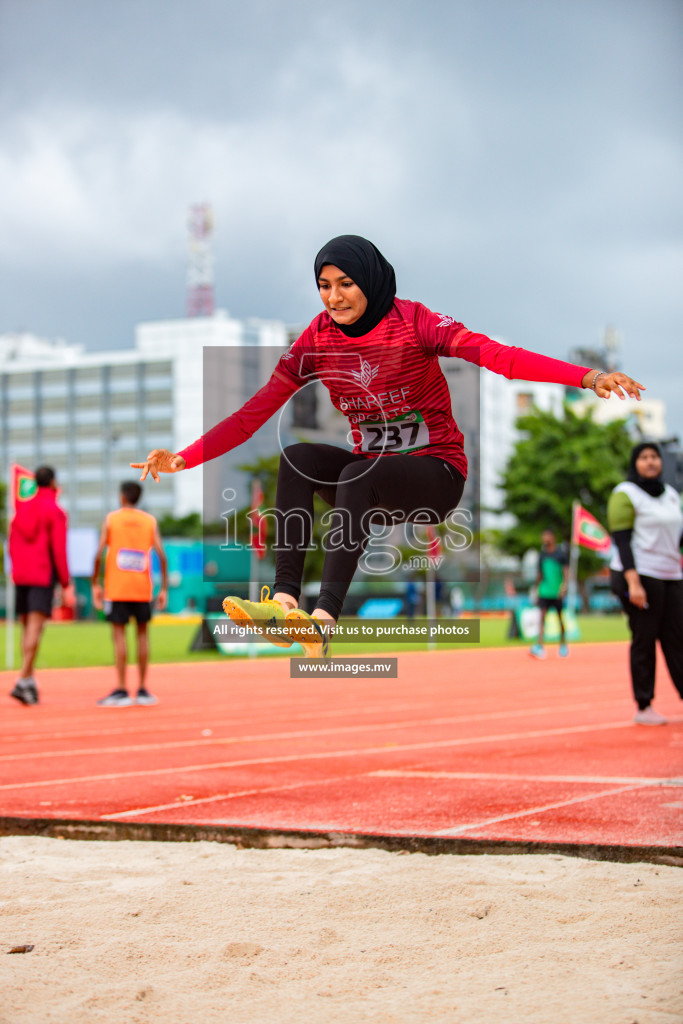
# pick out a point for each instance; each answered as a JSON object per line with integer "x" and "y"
{"x": 226, "y": 435}
{"x": 446, "y": 337}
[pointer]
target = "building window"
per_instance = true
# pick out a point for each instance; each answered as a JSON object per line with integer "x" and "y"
{"x": 89, "y": 459}
{"x": 19, "y": 434}
{"x": 124, "y": 371}
{"x": 21, "y": 405}
{"x": 89, "y": 488}
{"x": 93, "y": 401}
{"x": 158, "y": 426}
{"x": 54, "y": 382}
{"x": 88, "y": 373}
{"x": 54, "y": 404}
{"x": 123, "y": 399}
{"x": 158, "y": 396}
{"x": 21, "y": 380}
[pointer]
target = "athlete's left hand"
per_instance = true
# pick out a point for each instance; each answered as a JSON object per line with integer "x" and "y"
{"x": 616, "y": 382}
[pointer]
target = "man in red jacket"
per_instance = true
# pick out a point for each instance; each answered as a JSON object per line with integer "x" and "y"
{"x": 37, "y": 547}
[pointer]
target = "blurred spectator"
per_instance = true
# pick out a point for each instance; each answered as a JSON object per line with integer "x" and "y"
{"x": 37, "y": 547}
{"x": 551, "y": 583}
{"x": 412, "y": 597}
{"x": 129, "y": 535}
{"x": 645, "y": 520}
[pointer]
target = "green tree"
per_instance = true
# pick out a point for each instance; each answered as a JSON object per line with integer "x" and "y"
{"x": 557, "y": 462}
{"x": 190, "y": 526}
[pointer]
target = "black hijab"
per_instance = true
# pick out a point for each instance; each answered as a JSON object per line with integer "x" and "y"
{"x": 367, "y": 268}
{"x": 653, "y": 486}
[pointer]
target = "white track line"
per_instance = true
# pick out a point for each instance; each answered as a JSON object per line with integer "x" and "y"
{"x": 127, "y": 729}
{"x": 389, "y": 748}
{"x": 314, "y": 783}
{"x": 136, "y": 811}
{"x": 600, "y": 780}
{"x": 100, "y": 714}
{"x": 298, "y": 734}
{"x": 533, "y": 810}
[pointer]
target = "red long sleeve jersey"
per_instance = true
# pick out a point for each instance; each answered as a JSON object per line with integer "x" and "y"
{"x": 388, "y": 383}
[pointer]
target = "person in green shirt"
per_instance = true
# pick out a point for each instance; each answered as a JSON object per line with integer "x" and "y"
{"x": 552, "y": 579}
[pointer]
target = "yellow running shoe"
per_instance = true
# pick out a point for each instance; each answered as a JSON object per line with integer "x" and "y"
{"x": 313, "y": 636}
{"x": 262, "y": 616}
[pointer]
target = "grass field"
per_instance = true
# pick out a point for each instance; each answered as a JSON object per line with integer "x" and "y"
{"x": 87, "y": 644}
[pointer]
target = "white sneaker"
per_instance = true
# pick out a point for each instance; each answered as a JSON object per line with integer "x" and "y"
{"x": 116, "y": 699}
{"x": 648, "y": 716}
{"x": 146, "y": 698}
{"x": 537, "y": 651}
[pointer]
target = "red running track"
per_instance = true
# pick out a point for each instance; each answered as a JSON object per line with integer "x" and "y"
{"x": 485, "y": 745}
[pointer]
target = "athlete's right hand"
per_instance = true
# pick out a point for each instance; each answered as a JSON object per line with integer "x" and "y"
{"x": 637, "y": 594}
{"x": 159, "y": 461}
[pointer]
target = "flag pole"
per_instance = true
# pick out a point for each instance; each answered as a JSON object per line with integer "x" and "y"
{"x": 430, "y": 601}
{"x": 9, "y": 583}
{"x": 572, "y": 589}
{"x": 9, "y": 615}
{"x": 253, "y": 557}
{"x": 253, "y": 567}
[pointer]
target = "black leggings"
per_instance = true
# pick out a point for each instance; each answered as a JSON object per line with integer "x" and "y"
{"x": 662, "y": 620}
{"x": 397, "y": 485}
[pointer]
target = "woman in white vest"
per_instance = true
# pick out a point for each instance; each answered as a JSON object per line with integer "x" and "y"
{"x": 646, "y": 523}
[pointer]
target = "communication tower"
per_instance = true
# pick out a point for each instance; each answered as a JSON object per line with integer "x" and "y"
{"x": 200, "y": 300}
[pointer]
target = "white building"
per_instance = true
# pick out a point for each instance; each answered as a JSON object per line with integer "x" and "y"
{"x": 646, "y": 418}
{"x": 90, "y": 414}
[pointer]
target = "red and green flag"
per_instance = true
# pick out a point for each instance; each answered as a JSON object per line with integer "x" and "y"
{"x": 22, "y": 486}
{"x": 259, "y": 521}
{"x": 434, "y": 548}
{"x": 588, "y": 532}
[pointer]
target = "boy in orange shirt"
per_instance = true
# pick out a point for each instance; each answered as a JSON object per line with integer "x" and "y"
{"x": 129, "y": 535}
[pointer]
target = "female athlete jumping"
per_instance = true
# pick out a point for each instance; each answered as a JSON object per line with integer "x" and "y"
{"x": 378, "y": 357}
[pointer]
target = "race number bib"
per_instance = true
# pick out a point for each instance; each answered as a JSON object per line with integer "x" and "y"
{"x": 401, "y": 434}
{"x": 129, "y": 560}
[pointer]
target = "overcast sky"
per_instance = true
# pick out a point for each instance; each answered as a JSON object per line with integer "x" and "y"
{"x": 518, "y": 161}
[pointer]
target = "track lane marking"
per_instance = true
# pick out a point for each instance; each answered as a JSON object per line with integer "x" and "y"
{"x": 585, "y": 798}
{"x": 237, "y": 715}
{"x": 127, "y": 729}
{"x": 511, "y": 776}
{"x": 390, "y": 748}
{"x": 298, "y": 734}
{"x": 136, "y": 811}
{"x": 314, "y": 783}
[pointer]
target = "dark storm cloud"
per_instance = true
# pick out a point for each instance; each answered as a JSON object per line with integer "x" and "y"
{"x": 518, "y": 163}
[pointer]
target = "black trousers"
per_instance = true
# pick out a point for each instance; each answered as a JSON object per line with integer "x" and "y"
{"x": 390, "y": 488}
{"x": 662, "y": 620}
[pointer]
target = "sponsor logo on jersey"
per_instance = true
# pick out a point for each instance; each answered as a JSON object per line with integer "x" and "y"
{"x": 366, "y": 374}
{"x": 445, "y": 321}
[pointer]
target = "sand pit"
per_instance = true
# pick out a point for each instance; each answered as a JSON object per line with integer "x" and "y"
{"x": 180, "y": 932}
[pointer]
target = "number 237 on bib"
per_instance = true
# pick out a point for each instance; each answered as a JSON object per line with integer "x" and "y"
{"x": 401, "y": 434}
